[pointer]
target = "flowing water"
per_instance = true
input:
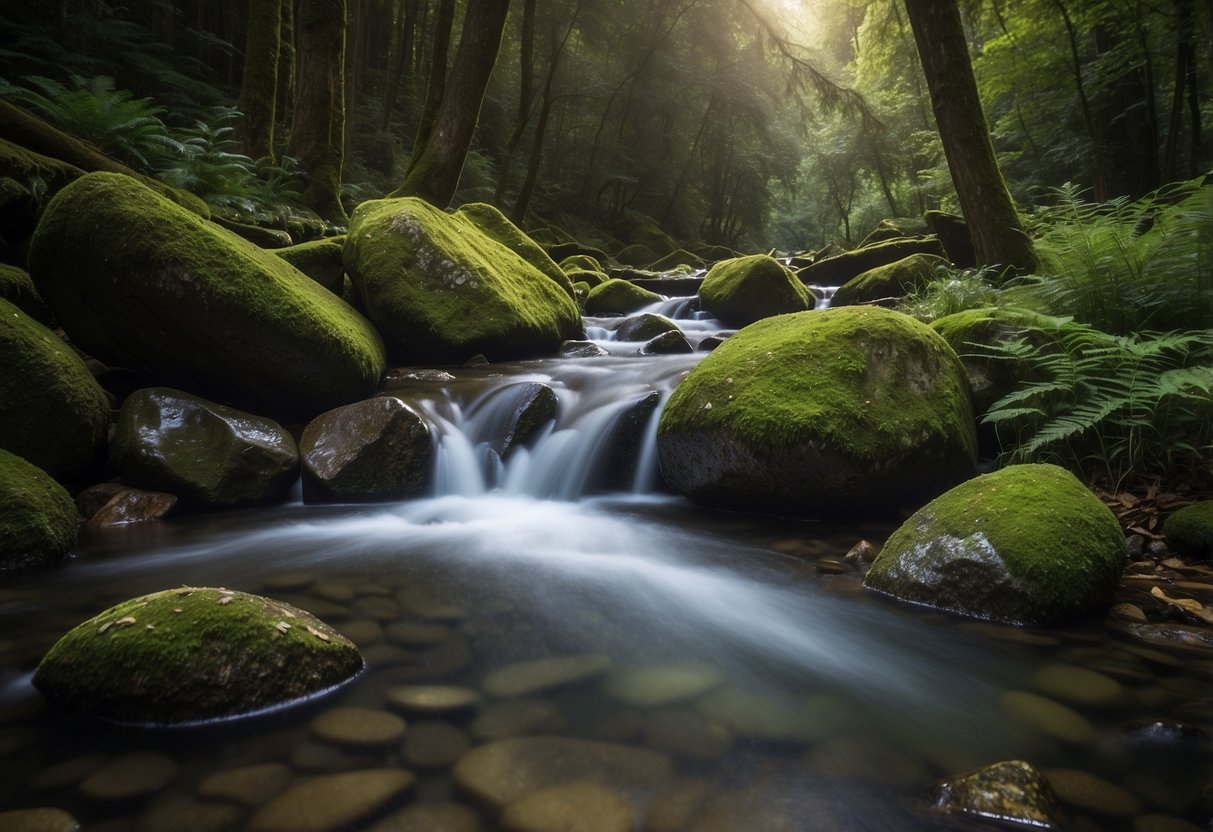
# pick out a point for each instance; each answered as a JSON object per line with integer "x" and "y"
{"x": 813, "y": 705}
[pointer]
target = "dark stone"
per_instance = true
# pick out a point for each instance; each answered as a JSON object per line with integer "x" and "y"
{"x": 132, "y": 505}
{"x": 712, "y": 342}
{"x": 668, "y": 343}
{"x": 378, "y": 449}
{"x": 581, "y": 349}
{"x": 625, "y": 441}
{"x": 837, "y": 270}
{"x": 644, "y": 327}
{"x": 1012, "y": 792}
{"x": 203, "y": 452}
{"x": 953, "y": 234}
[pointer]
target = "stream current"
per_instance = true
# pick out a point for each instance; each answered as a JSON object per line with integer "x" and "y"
{"x": 742, "y": 647}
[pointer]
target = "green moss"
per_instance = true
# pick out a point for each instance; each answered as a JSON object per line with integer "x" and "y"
{"x": 892, "y": 280}
{"x": 839, "y": 410}
{"x": 615, "y": 296}
{"x": 747, "y": 289}
{"x": 139, "y": 282}
{"x": 636, "y": 255}
{"x": 679, "y": 258}
{"x": 580, "y": 262}
{"x": 1025, "y": 544}
{"x": 836, "y": 270}
{"x": 497, "y": 226}
{"x": 54, "y": 414}
{"x": 191, "y": 654}
{"x": 1190, "y": 530}
{"x": 884, "y": 230}
{"x": 442, "y": 291}
{"x": 37, "y": 516}
{"x": 591, "y": 279}
{"x": 320, "y": 260}
{"x": 17, "y": 288}
{"x": 270, "y": 238}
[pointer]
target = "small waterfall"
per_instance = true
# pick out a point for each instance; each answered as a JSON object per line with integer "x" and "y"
{"x": 824, "y": 294}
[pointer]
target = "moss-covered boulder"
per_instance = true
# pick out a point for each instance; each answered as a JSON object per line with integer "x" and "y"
{"x": 17, "y": 288}
{"x": 142, "y": 283}
{"x": 269, "y": 238}
{"x": 560, "y": 251}
{"x": 618, "y": 297}
{"x": 820, "y": 413}
{"x": 747, "y": 289}
{"x": 37, "y": 516}
{"x": 884, "y": 230}
{"x": 205, "y": 453}
{"x": 378, "y": 449}
{"x": 677, "y": 259}
{"x": 192, "y": 654}
{"x": 27, "y": 182}
{"x": 497, "y": 226}
{"x": 580, "y": 262}
{"x": 321, "y": 260}
{"x": 635, "y": 255}
{"x": 893, "y": 280}
{"x": 1025, "y": 544}
{"x": 442, "y": 291}
{"x": 54, "y": 413}
{"x": 589, "y": 278}
{"x": 837, "y": 269}
{"x": 1190, "y": 530}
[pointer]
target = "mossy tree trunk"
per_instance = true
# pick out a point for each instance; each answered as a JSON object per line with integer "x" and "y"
{"x": 286, "y": 62}
{"x": 259, "y": 83}
{"x": 318, "y": 125}
{"x": 435, "y": 87}
{"x": 994, "y": 223}
{"x": 437, "y": 167}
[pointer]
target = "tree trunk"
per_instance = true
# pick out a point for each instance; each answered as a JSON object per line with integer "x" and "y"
{"x": 286, "y": 62}
{"x": 435, "y": 173}
{"x": 435, "y": 87}
{"x": 1099, "y": 170}
{"x": 318, "y": 126}
{"x": 259, "y": 83}
{"x": 402, "y": 59}
{"x": 526, "y": 83}
{"x": 994, "y": 223}
{"x": 541, "y": 127}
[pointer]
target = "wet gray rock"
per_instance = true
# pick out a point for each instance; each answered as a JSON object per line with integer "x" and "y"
{"x": 644, "y": 327}
{"x": 581, "y": 349}
{"x": 668, "y": 343}
{"x": 377, "y": 449}
{"x": 205, "y": 453}
{"x": 1012, "y": 792}
{"x": 132, "y": 505}
{"x": 625, "y": 441}
{"x": 518, "y": 413}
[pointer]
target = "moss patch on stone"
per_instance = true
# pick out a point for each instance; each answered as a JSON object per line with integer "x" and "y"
{"x": 37, "y": 516}
{"x": 193, "y": 654}
{"x": 320, "y": 260}
{"x": 580, "y": 262}
{"x": 1190, "y": 530}
{"x": 836, "y": 270}
{"x": 142, "y": 283}
{"x": 442, "y": 291}
{"x": 812, "y": 413}
{"x": 893, "y": 280}
{"x": 497, "y": 226}
{"x": 618, "y": 297}
{"x": 17, "y": 288}
{"x": 1025, "y": 544}
{"x": 636, "y": 255}
{"x": 747, "y": 289}
{"x": 679, "y": 258}
{"x": 54, "y": 413}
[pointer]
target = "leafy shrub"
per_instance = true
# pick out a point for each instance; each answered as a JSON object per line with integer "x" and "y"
{"x": 954, "y": 290}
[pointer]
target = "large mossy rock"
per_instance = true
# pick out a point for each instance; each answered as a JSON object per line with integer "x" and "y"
{"x": 820, "y": 413}
{"x": 54, "y": 413}
{"x": 840, "y": 268}
{"x": 37, "y": 516}
{"x": 27, "y": 181}
{"x": 191, "y": 654}
{"x": 378, "y": 449}
{"x": 747, "y": 289}
{"x": 618, "y": 297}
{"x": 441, "y": 290}
{"x": 1025, "y": 544}
{"x": 142, "y": 283}
{"x": 1190, "y": 530}
{"x": 205, "y": 453}
{"x": 17, "y": 288}
{"x": 894, "y": 280}
{"x": 497, "y": 226}
{"x": 321, "y": 260}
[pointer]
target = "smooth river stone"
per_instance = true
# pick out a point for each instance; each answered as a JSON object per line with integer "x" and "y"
{"x": 68, "y": 772}
{"x": 574, "y": 807}
{"x": 656, "y": 686}
{"x": 431, "y": 817}
{"x": 383, "y": 610}
{"x": 420, "y": 604}
{"x": 362, "y": 632}
{"x": 756, "y": 717}
{"x": 417, "y": 633}
{"x": 1077, "y": 685}
{"x": 515, "y": 717}
{"x": 541, "y": 675}
{"x": 433, "y": 744}
{"x": 1090, "y": 793}
{"x": 358, "y": 727}
{"x": 1048, "y": 717}
{"x": 433, "y": 699}
{"x": 248, "y": 785}
{"x": 181, "y": 814}
{"x": 287, "y": 581}
{"x": 131, "y": 775}
{"x": 332, "y": 802}
{"x": 1011, "y": 791}
{"x": 505, "y": 771}
{"x": 685, "y": 733}
{"x": 338, "y": 592}
{"x": 38, "y": 820}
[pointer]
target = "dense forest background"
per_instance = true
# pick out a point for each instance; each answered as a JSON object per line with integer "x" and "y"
{"x": 744, "y": 123}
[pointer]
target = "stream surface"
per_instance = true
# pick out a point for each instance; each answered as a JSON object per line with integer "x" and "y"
{"x": 815, "y": 705}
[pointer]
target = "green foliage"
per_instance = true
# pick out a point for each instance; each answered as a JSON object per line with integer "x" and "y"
{"x": 953, "y": 290}
{"x": 95, "y": 110}
{"x": 1109, "y": 404}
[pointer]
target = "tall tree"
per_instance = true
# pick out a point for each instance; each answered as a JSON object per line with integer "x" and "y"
{"x": 318, "y": 126}
{"x": 439, "y": 163}
{"x": 994, "y": 223}
{"x": 259, "y": 83}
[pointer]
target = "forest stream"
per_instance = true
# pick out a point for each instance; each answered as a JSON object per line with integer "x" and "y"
{"x": 719, "y": 671}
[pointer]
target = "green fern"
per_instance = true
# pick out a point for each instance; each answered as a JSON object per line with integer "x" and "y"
{"x": 953, "y": 290}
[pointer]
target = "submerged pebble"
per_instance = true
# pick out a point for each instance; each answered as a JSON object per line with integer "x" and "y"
{"x": 430, "y": 817}
{"x": 433, "y": 699}
{"x": 135, "y": 774}
{"x": 1077, "y": 685}
{"x": 584, "y": 807}
{"x": 541, "y": 675}
{"x": 358, "y": 727}
{"x": 332, "y": 802}
{"x": 38, "y": 820}
{"x": 1089, "y": 793}
{"x": 247, "y": 785}
{"x": 434, "y": 744}
{"x": 1048, "y": 717}
{"x": 656, "y": 686}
